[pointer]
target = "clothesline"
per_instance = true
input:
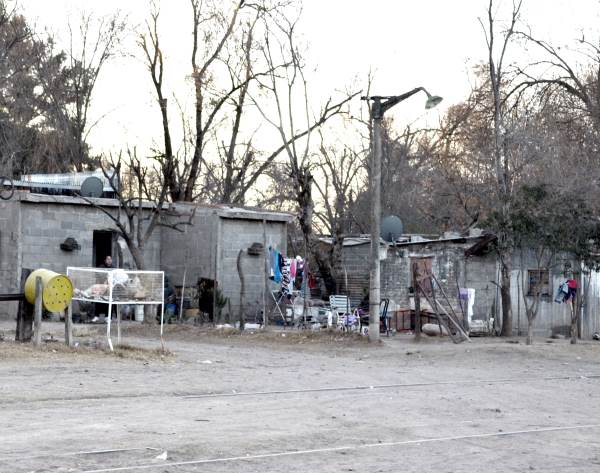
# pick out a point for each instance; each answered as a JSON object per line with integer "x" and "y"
{"x": 291, "y": 273}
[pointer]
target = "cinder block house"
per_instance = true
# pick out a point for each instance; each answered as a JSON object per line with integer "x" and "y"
{"x": 33, "y": 227}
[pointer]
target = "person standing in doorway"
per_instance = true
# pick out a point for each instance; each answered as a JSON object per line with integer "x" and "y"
{"x": 100, "y": 308}
{"x": 107, "y": 263}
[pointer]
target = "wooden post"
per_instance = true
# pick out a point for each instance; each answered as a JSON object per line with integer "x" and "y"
{"x": 38, "y": 312}
{"x": 118, "y": 309}
{"x": 265, "y": 275}
{"x": 24, "y": 331}
{"x": 69, "y": 325}
{"x": 417, "y": 288}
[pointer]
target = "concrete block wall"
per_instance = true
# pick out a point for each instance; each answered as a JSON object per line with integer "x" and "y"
{"x": 449, "y": 266}
{"x": 44, "y": 226}
{"x": 591, "y": 313}
{"x": 551, "y": 317}
{"x": 33, "y": 232}
{"x": 193, "y": 249}
{"x": 10, "y": 242}
{"x": 240, "y": 234}
{"x": 480, "y": 273}
{"x": 355, "y": 280}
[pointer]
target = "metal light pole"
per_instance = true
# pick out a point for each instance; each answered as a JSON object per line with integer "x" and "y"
{"x": 379, "y": 105}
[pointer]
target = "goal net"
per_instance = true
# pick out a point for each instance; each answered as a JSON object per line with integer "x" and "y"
{"x": 117, "y": 286}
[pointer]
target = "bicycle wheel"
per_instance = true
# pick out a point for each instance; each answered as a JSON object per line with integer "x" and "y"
{"x": 7, "y": 188}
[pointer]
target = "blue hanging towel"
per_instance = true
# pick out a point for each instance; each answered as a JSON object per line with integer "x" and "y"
{"x": 275, "y": 265}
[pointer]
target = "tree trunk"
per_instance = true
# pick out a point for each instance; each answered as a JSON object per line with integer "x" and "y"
{"x": 574, "y": 319}
{"x": 242, "y": 290}
{"x": 506, "y": 302}
{"x": 138, "y": 256}
{"x": 529, "y": 340}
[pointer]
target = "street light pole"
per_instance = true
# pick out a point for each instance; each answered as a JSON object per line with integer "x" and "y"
{"x": 379, "y": 105}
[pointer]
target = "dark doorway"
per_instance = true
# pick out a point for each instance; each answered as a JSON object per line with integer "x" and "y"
{"x": 103, "y": 246}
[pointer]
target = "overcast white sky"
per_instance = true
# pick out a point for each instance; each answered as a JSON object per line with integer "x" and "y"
{"x": 430, "y": 43}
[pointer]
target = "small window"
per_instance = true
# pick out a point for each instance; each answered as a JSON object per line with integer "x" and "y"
{"x": 539, "y": 280}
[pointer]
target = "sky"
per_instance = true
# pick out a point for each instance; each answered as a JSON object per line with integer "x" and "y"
{"x": 406, "y": 43}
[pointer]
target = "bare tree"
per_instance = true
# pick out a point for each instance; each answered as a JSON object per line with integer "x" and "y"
{"x": 92, "y": 41}
{"x": 288, "y": 90}
{"x": 149, "y": 42}
{"x": 557, "y": 72}
{"x": 338, "y": 183}
{"x": 502, "y": 162}
{"x": 142, "y": 193}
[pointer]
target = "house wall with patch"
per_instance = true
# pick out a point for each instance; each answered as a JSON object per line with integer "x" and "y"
{"x": 449, "y": 265}
{"x": 238, "y": 234}
{"x": 209, "y": 249}
{"x": 552, "y": 317}
{"x": 481, "y": 273}
{"x": 354, "y": 281}
{"x": 191, "y": 251}
{"x": 452, "y": 270}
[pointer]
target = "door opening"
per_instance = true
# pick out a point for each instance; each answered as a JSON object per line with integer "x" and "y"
{"x": 103, "y": 246}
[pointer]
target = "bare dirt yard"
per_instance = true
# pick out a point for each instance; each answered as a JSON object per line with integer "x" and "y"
{"x": 302, "y": 402}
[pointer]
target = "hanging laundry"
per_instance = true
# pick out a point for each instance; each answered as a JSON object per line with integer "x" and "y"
{"x": 293, "y": 268}
{"x": 312, "y": 281}
{"x": 299, "y": 272}
{"x": 572, "y": 285}
{"x": 562, "y": 293}
{"x": 274, "y": 260}
{"x": 286, "y": 282}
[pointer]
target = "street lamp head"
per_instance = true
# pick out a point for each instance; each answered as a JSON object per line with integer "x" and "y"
{"x": 432, "y": 100}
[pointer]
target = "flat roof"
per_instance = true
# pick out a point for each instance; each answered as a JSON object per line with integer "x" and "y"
{"x": 222, "y": 210}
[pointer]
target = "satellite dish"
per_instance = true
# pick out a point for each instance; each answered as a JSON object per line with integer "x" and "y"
{"x": 391, "y": 228}
{"x": 92, "y": 187}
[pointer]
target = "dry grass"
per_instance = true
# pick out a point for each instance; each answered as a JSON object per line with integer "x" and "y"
{"x": 137, "y": 353}
{"x": 272, "y": 336}
{"x": 15, "y": 350}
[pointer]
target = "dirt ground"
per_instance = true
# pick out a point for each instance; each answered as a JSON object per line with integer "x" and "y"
{"x": 302, "y": 402}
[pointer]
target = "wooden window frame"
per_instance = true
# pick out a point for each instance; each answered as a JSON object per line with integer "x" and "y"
{"x": 542, "y": 274}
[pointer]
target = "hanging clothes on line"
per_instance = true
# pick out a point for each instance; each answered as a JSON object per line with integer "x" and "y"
{"x": 275, "y": 263}
{"x": 567, "y": 291}
{"x": 299, "y": 272}
{"x": 572, "y": 285}
{"x": 286, "y": 281}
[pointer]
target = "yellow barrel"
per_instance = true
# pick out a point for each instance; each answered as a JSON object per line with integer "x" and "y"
{"x": 57, "y": 289}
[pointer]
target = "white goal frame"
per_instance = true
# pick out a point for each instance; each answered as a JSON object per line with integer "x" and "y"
{"x": 78, "y": 275}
